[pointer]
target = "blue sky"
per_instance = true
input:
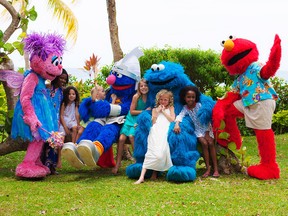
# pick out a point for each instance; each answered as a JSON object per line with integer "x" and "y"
{"x": 156, "y": 23}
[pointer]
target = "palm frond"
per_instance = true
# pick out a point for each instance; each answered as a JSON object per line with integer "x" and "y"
{"x": 65, "y": 15}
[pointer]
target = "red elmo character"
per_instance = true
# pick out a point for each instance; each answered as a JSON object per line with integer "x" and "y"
{"x": 251, "y": 97}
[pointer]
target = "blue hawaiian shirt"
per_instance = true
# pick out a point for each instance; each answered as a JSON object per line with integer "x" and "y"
{"x": 252, "y": 87}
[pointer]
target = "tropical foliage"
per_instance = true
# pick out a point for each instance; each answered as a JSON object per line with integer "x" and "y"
{"x": 205, "y": 71}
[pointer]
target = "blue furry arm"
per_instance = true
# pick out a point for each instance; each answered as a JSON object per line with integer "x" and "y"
{"x": 100, "y": 109}
{"x": 205, "y": 112}
{"x": 84, "y": 109}
{"x": 144, "y": 121}
{"x": 95, "y": 109}
{"x": 144, "y": 124}
{"x": 125, "y": 107}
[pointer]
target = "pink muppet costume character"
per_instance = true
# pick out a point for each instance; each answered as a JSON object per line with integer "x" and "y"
{"x": 251, "y": 97}
{"x": 34, "y": 116}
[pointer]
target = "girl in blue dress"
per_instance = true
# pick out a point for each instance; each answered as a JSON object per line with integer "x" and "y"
{"x": 138, "y": 104}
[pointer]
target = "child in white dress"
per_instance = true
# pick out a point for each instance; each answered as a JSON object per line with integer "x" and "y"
{"x": 157, "y": 157}
{"x": 189, "y": 96}
{"x": 69, "y": 115}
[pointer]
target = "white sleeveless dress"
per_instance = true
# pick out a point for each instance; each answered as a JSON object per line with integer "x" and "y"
{"x": 69, "y": 117}
{"x": 158, "y": 156}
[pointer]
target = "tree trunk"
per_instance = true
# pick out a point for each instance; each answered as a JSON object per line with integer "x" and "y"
{"x": 113, "y": 27}
{"x": 11, "y": 99}
{"x": 15, "y": 20}
{"x": 229, "y": 163}
{"x": 10, "y": 145}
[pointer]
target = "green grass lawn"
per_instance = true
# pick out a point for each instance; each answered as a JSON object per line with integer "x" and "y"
{"x": 98, "y": 192}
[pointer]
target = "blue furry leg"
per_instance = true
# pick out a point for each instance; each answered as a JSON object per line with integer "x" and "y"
{"x": 91, "y": 132}
{"x": 108, "y": 135}
{"x": 181, "y": 174}
{"x": 133, "y": 171}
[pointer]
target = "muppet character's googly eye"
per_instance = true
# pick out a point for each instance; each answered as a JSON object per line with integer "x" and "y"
{"x": 222, "y": 43}
{"x": 154, "y": 67}
{"x": 61, "y": 59}
{"x": 55, "y": 62}
{"x": 118, "y": 75}
{"x": 232, "y": 37}
{"x": 161, "y": 67}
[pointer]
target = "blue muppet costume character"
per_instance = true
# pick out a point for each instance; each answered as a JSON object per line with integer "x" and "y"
{"x": 183, "y": 146}
{"x": 100, "y": 134}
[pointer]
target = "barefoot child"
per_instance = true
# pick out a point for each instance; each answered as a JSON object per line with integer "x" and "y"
{"x": 157, "y": 157}
{"x": 128, "y": 129}
{"x": 189, "y": 96}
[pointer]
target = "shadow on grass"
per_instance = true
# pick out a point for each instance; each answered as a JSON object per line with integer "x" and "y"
{"x": 8, "y": 164}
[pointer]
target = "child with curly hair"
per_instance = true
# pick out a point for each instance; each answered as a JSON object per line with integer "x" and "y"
{"x": 69, "y": 115}
{"x": 157, "y": 157}
{"x": 189, "y": 97}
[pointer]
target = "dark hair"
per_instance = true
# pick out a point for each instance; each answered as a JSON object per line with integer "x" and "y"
{"x": 184, "y": 91}
{"x": 53, "y": 82}
{"x": 66, "y": 96}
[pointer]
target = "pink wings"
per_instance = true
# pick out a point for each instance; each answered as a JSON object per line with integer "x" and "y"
{"x": 14, "y": 79}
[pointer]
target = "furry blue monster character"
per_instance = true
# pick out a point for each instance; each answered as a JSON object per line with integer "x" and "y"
{"x": 183, "y": 146}
{"x": 100, "y": 134}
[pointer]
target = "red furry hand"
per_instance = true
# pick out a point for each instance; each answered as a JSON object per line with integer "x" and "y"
{"x": 217, "y": 114}
{"x": 32, "y": 121}
{"x": 221, "y": 106}
{"x": 273, "y": 63}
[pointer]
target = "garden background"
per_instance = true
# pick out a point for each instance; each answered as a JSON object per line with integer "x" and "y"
{"x": 97, "y": 191}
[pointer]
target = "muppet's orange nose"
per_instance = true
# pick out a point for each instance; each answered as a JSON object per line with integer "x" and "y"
{"x": 228, "y": 45}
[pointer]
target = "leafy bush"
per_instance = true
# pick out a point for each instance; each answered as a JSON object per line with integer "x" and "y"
{"x": 280, "y": 118}
{"x": 5, "y": 116}
{"x": 203, "y": 67}
{"x": 280, "y": 122}
{"x": 280, "y": 86}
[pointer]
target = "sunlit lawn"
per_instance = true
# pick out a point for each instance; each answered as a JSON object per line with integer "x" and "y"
{"x": 98, "y": 192}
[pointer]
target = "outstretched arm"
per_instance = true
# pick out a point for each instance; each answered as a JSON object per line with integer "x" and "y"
{"x": 273, "y": 63}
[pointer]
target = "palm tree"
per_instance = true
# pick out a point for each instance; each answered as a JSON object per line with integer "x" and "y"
{"x": 113, "y": 27}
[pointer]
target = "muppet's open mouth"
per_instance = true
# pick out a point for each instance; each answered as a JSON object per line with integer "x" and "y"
{"x": 162, "y": 83}
{"x": 121, "y": 87}
{"x": 238, "y": 57}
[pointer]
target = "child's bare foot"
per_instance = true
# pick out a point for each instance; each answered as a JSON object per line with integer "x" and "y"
{"x": 154, "y": 175}
{"x": 115, "y": 170}
{"x": 59, "y": 165}
{"x": 139, "y": 181}
{"x": 216, "y": 174}
{"x": 206, "y": 174}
